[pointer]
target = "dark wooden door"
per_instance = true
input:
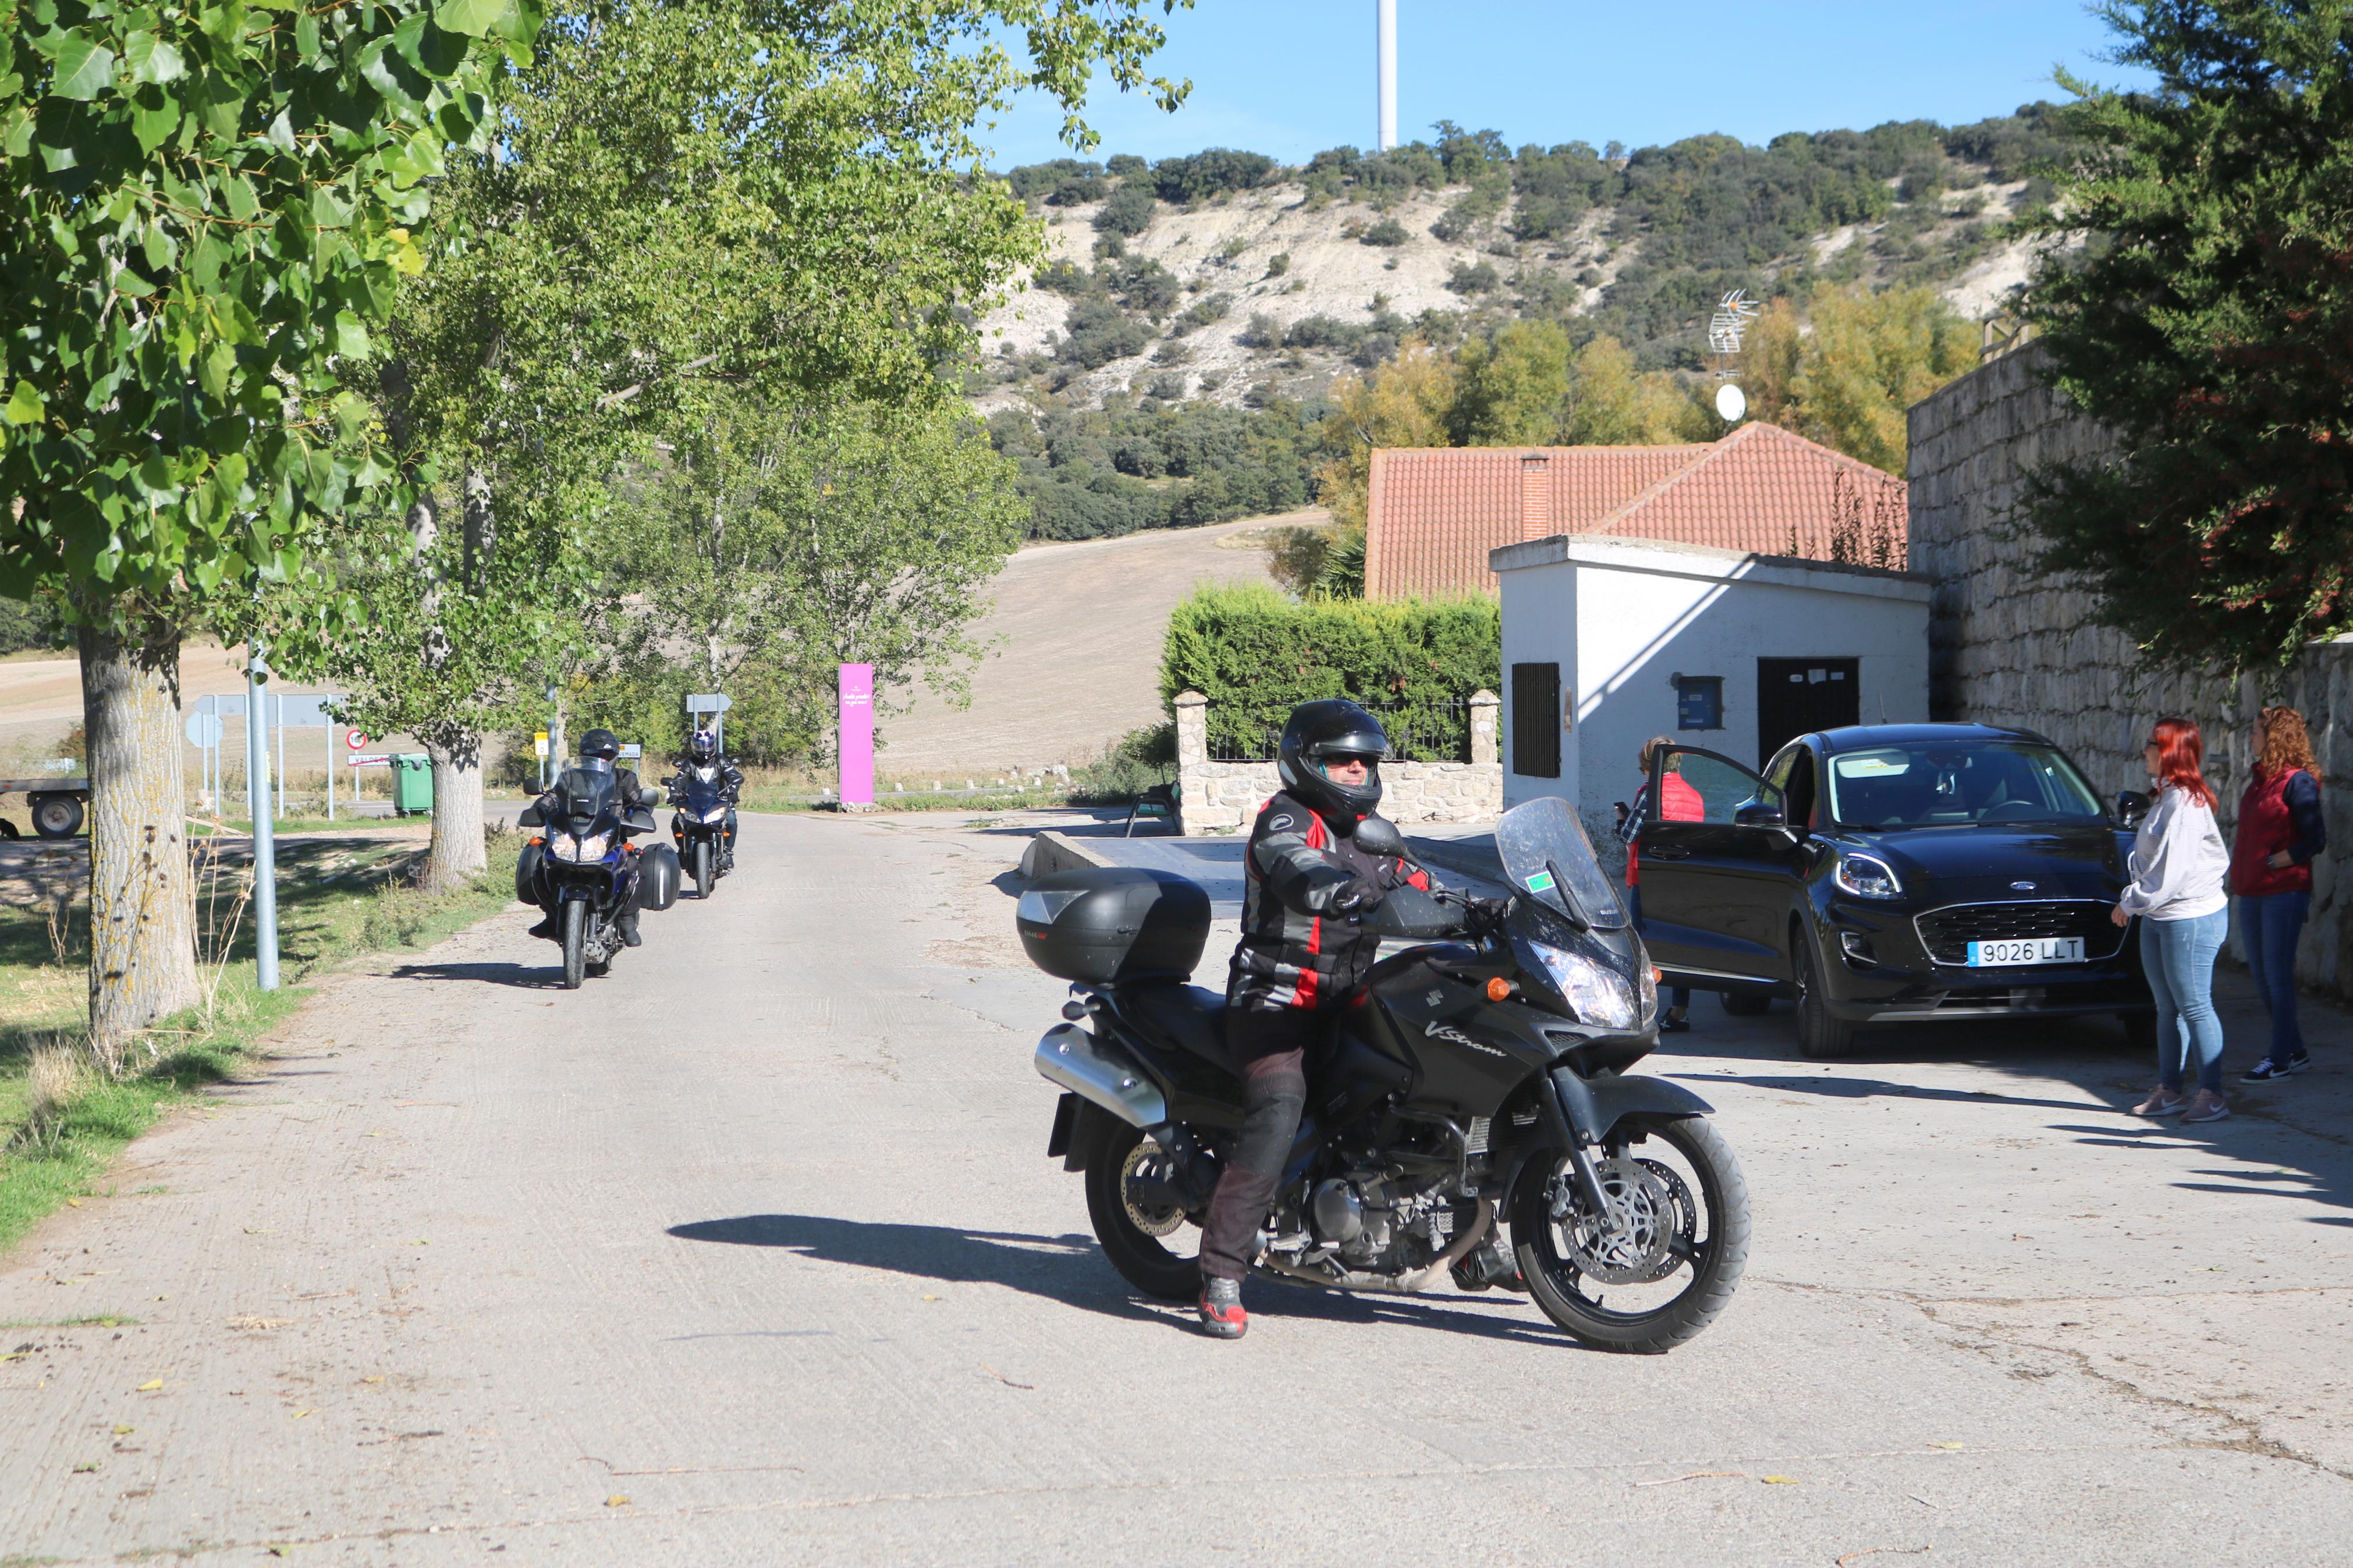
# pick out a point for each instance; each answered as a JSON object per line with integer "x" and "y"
{"x": 1799, "y": 696}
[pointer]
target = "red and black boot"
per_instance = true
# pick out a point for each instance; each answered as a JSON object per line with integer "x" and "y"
{"x": 1221, "y": 1309}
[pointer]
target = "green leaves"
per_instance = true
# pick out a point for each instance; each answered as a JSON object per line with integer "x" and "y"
{"x": 24, "y": 406}
{"x": 474, "y": 18}
{"x": 84, "y": 69}
{"x": 151, "y": 59}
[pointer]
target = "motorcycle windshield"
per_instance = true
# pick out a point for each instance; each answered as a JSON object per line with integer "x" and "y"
{"x": 585, "y": 794}
{"x": 1547, "y": 856}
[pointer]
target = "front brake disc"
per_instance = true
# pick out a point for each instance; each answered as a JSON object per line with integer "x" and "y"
{"x": 1634, "y": 1250}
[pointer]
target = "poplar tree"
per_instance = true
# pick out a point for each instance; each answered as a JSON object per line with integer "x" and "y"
{"x": 2209, "y": 324}
{"x": 207, "y": 207}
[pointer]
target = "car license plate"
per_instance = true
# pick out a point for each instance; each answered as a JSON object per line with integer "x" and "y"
{"x": 2027, "y": 949}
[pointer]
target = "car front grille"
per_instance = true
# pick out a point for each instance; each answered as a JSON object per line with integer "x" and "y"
{"x": 1948, "y": 932}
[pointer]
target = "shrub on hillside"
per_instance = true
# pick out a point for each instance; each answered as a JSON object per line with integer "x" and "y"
{"x": 1077, "y": 192}
{"x": 1255, "y": 655}
{"x": 1210, "y": 173}
{"x": 1120, "y": 165}
{"x": 1097, "y": 332}
{"x": 1032, "y": 180}
{"x": 1388, "y": 231}
{"x": 1129, "y": 211}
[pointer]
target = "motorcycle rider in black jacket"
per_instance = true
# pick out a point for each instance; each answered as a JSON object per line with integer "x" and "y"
{"x": 600, "y": 750}
{"x": 701, "y": 751}
{"x": 1305, "y": 949}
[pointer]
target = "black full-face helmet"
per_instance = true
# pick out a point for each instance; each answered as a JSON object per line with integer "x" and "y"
{"x": 1322, "y": 734}
{"x": 703, "y": 747}
{"x": 600, "y": 744}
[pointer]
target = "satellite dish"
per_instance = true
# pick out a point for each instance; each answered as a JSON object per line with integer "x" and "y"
{"x": 1731, "y": 403}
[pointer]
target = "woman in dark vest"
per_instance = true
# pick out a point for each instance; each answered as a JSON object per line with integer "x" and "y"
{"x": 2280, "y": 831}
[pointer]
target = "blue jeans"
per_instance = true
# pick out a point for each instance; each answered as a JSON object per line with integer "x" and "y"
{"x": 2178, "y": 956}
{"x": 2271, "y": 925}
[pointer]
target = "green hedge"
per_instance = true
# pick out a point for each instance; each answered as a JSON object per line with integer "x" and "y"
{"x": 1255, "y": 654}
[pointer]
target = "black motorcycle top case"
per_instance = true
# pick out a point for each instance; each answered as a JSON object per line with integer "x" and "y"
{"x": 1114, "y": 925}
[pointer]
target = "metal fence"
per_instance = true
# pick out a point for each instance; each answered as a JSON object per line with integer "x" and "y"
{"x": 1423, "y": 733}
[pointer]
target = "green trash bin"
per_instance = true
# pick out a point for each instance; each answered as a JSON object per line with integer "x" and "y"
{"x": 412, "y": 784}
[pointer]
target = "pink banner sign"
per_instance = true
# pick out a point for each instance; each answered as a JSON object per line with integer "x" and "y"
{"x": 858, "y": 734}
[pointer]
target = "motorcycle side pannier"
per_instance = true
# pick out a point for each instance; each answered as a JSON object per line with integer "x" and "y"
{"x": 1114, "y": 925}
{"x": 527, "y": 873}
{"x": 658, "y": 865}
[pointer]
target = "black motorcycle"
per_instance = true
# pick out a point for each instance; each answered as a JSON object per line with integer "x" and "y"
{"x": 702, "y": 825}
{"x": 584, "y": 866}
{"x": 1481, "y": 1077}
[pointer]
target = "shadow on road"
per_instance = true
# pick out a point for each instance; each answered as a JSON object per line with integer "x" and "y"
{"x": 524, "y": 976}
{"x": 1071, "y": 1270}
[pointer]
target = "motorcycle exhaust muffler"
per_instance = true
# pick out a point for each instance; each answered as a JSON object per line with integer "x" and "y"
{"x": 1074, "y": 1059}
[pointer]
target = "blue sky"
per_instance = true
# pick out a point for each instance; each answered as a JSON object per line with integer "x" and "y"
{"x": 1289, "y": 77}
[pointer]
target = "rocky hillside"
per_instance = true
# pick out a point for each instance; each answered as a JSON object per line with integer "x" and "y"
{"x": 1227, "y": 278}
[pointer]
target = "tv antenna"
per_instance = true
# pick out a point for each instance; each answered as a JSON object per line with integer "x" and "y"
{"x": 1726, "y": 330}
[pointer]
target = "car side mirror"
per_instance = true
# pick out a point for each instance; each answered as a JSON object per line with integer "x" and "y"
{"x": 530, "y": 817}
{"x": 2131, "y": 806}
{"x": 1378, "y": 836}
{"x": 1413, "y": 915}
{"x": 1759, "y": 814}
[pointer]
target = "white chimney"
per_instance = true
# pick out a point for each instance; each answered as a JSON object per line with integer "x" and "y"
{"x": 1387, "y": 31}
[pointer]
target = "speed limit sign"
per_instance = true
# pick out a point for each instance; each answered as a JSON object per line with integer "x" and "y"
{"x": 357, "y": 741}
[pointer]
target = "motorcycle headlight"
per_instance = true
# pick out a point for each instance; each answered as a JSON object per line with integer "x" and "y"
{"x": 1596, "y": 995}
{"x": 579, "y": 851}
{"x": 1867, "y": 877}
{"x": 716, "y": 813}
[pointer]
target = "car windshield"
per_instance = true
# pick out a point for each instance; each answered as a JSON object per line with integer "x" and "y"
{"x": 1547, "y": 856}
{"x": 1934, "y": 784}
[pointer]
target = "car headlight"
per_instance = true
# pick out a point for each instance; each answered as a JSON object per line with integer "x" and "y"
{"x": 1867, "y": 877}
{"x": 1596, "y": 995}
{"x": 716, "y": 813}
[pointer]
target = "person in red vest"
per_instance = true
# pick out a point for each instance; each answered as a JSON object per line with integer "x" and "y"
{"x": 2280, "y": 830}
{"x": 1678, "y": 802}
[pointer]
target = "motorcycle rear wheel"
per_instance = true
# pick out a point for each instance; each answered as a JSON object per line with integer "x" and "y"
{"x": 575, "y": 944}
{"x": 1143, "y": 1259}
{"x": 1712, "y": 1266}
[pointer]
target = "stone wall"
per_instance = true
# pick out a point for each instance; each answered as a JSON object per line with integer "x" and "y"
{"x": 1223, "y": 797}
{"x": 2010, "y": 647}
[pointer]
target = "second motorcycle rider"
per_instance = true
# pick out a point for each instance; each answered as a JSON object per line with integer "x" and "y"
{"x": 1305, "y": 949}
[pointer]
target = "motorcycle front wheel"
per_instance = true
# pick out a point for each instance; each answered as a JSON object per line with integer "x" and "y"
{"x": 1136, "y": 1235}
{"x": 703, "y": 868}
{"x": 575, "y": 944}
{"x": 1666, "y": 1275}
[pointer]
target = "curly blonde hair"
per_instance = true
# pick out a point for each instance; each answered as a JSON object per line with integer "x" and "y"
{"x": 2285, "y": 745}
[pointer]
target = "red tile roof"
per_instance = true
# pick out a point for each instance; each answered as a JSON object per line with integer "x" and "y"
{"x": 1435, "y": 514}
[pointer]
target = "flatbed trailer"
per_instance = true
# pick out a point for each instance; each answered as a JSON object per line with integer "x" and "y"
{"x": 56, "y": 804}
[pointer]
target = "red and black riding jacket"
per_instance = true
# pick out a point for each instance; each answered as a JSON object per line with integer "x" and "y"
{"x": 1295, "y": 952}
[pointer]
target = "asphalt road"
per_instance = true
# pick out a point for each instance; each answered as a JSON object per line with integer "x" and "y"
{"x": 748, "y": 1254}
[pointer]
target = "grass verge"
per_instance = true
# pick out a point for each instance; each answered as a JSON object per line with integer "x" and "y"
{"x": 63, "y": 1118}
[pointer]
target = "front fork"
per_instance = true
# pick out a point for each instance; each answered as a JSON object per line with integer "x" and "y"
{"x": 1571, "y": 1117}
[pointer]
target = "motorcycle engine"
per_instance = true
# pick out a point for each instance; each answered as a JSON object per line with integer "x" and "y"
{"x": 1380, "y": 1225}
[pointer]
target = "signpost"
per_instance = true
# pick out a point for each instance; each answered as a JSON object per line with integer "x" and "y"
{"x": 857, "y": 737}
{"x": 265, "y": 848}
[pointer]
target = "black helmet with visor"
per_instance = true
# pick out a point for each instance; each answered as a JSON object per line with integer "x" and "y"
{"x": 1320, "y": 736}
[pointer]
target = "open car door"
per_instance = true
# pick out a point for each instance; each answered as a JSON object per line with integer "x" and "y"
{"x": 1715, "y": 872}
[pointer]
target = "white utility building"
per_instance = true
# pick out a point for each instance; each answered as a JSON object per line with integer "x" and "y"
{"x": 1610, "y": 641}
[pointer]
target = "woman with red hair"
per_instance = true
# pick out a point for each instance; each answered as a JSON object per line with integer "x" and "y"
{"x": 2179, "y": 869}
{"x": 2280, "y": 831}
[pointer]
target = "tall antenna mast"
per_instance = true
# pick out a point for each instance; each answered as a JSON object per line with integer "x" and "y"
{"x": 1386, "y": 28}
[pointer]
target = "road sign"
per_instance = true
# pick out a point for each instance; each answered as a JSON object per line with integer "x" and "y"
{"x": 633, "y": 750}
{"x": 709, "y": 702}
{"x": 357, "y": 740}
{"x": 203, "y": 730}
{"x": 374, "y": 762}
{"x": 539, "y": 745}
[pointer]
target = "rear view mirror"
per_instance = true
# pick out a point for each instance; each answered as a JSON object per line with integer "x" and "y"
{"x": 1378, "y": 836}
{"x": 2131, "y": 806}
{"x": 531, "y": 818}
{"x": 1413, "y": 915}
{"x": 1759, "y": 814}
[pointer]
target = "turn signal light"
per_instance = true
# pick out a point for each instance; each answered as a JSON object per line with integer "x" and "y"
{"x": 1498, "y": 988}
{"x": 1657, "y": 976}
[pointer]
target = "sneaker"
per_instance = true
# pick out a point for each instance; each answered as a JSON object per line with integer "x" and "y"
{"x": 2161, "y": 1102}
{"x": 1671, "y": 1025}
{"x": 2208, "y": 1107}
{"x": 2267, "y": 1069}
{"x": 1221, "y": 1310}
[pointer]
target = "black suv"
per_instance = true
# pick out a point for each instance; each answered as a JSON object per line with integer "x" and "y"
{"x": 1891, "y": 873}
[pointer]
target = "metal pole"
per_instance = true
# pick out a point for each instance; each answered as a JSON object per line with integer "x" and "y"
{"x": 281, "y": 756}
{"x": 1387, "y": 30}
{"x": 329, "y": 725}
{"x": 265, "y": 847}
